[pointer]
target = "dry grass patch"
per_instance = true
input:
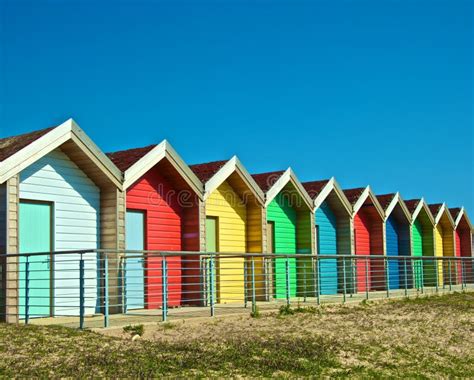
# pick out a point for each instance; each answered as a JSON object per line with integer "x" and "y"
{"x": 429, "y": 337}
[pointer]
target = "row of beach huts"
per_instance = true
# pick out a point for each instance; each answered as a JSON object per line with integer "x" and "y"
{"x": 60, "y": 192}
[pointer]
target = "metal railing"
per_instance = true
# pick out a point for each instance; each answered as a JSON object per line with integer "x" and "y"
{"x": 96, "y": 288}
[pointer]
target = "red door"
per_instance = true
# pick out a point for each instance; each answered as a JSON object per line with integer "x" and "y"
{"x": 362, "y": 247}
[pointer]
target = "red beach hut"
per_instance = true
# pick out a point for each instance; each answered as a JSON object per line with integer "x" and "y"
{"x": 368, "y": 220}
{"x": 162, "y": 199}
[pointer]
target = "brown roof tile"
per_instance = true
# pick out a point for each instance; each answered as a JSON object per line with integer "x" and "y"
{"x": 11, "y": 145}
{"x": 354, "y": 194}
{"x": 266, "y": 180}
{"x": 207, "y": 170}
{"x": 434, "y": 208}
{"x": 412, "y": 204}
{"x": 124, "y": 159}
{"x": 313, "y": 188}
{"x": 455, "y": 212}
{"x": 385, "y": 200}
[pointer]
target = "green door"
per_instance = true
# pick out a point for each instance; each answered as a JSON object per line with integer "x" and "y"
{"x": 212, "y": 247}
{"x": 35, "y": 221}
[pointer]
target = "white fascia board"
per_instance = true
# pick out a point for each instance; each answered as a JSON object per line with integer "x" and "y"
{"x": 52, "y": 140}
{"x": 95, "y": 153}
{"x": 34, "y": 151}
{"x": 279, "y": 184}
{"x": 285, "y": 178}
{"x": 444, "y": 209}
{"x": 360, "y": 202}
{"x": 251, "y": 184}
{"x": 376, "y": 203}
{"x": 143, "y": 165}
{"x": 231, "y": 166}
{"x": 397, "y": 199}
{"x": 342, "y": 197}
{"x": 391, "y": 206}
{"x": 404, "y": 207}
{"x": 153, "y": 157}
{"x": 423, "y": 205}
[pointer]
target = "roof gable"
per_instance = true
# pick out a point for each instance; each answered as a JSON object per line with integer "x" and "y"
{"x": 389, "y": 205}
{"x": 21, "y": 151}
{"x": 11, "y": 145}
{"x": 137, "y": 162}
{"x": 417, "y": 205}
{"x": 274, "y": 182}
{"x": 362, "y": 198}
{"x": 213, "y": 174}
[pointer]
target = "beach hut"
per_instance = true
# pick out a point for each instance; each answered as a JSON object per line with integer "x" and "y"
{"x": 397, "y": 239}
{"x": 163, "y": 197}
{"x": 234, "y": 221}
{"x": 332, "y": 217}
{"x": 463, "y": 241}
{"x": 444, "y": 242}
{"x": 423, "y": 241}
{"x": 58, "y": 192}
{"x": 289, "y": 231}
{"x": 368, "y": 217}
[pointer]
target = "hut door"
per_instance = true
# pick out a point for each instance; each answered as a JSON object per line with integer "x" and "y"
{"x": 212, "y": 246}
{"x": 134, "y": 273}
{"x": 35, "y": 235}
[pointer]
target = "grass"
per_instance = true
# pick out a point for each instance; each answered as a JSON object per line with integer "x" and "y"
{"x": 430, "y": 337}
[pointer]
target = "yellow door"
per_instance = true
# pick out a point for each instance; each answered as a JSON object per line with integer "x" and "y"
{"x": 225, "y": 204}
{"x": 439, "y": 252}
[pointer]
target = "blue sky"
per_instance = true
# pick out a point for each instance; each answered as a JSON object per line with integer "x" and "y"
{"x": 371, "y": 92}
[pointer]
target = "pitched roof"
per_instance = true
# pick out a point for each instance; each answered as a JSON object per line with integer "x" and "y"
{"x": 434, "y": 208}
{"x": 266, "y": 180}
{"x": 412, "y": 204}
{"x": 10, "y": 145}
{"x": 385, "y": 200}
{"x": 313, "y": 188}
{"x": 353, "y": 195}
{"x": 207, "y": 170}
{"x": 455, "y": 212}
{"x": 124, "y": 159}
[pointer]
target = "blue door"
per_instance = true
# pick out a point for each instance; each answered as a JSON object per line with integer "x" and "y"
{"x": 392, "y": 232}
{"x": 326, "y": 237}
{"x": 35, "y": 230}
{"x": 134, "y": 263}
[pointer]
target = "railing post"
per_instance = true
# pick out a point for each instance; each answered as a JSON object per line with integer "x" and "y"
{"x": 106, "y": 290}
{"x": 463, "y": 274}
{"x": 436, "y": 263}
{"x": 343, "y": 279}
{"x": 164, "y": 289}
{"x": 81, "y": 292}
{"x": 318, "y": 279}
{"x": 27, "y": 289}
{"x": 245, "y": 281}
{"x": 124, "y": 285}
{"x": 449, "y": 270}
{"x": 387, "y": 277}
{"x": 366, "y": 278}
{"x": 406, "y": 276}
{"x": 422, "y": 275}
{"x": 266, "y": 272}
{"x": 287, "y": 267}
{"x": 211, "y": 284}
{"x": 254, "y": 304}
{"x": 304, "y": 281}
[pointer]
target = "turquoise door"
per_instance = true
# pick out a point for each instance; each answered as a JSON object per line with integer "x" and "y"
{"x": 134, "y": 266}
{"x": 35, "y": 221}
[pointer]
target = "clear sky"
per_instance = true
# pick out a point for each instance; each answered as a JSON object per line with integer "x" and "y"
{"x": 371, "y": 92}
